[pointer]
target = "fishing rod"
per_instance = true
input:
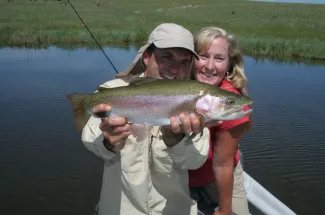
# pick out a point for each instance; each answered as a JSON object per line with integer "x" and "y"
{"x": 93, "y": 36}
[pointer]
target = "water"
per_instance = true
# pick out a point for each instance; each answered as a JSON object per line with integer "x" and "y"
{"x": 45, "y": 169}
{"x": 294, "y": 1}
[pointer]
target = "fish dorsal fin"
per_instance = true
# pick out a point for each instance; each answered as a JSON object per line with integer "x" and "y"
{"x": 101, "y": 89}
{"x": 141, "y": 80}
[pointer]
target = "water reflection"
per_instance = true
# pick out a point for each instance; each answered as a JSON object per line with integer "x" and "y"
{"x": 44, "y": 167}
{"x": 90, "y": 57}
{"x": 43, "y": 162}
{"x": 290, "y": 61}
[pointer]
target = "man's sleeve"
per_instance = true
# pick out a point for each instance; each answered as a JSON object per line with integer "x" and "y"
{"x": 193, "y": 153}
{"x": 92, "y": 138}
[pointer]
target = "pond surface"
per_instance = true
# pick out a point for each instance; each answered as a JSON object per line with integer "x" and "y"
{"x": 45, "y": 169}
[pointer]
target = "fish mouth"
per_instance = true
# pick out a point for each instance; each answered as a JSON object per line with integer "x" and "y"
{"x": 237, "y": 112}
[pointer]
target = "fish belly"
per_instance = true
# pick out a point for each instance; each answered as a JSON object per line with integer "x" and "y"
{"x": 151, "y": 110}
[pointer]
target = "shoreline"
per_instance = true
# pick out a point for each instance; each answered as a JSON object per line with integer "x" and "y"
{"x": 266, "y": 30}
{"x": 256, "y": 47}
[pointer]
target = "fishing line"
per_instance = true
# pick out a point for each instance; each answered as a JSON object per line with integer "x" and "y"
{"x": 92, "y": 36}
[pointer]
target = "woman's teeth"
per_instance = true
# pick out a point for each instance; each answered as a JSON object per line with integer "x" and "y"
{"x": 208, "y": 75}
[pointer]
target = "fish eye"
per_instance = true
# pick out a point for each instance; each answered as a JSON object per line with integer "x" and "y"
{"x": 230, "y": 101}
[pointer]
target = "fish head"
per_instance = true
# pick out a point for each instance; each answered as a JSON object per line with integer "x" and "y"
{"x": 223, "y": 107}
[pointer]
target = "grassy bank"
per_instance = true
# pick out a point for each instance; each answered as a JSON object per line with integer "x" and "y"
{"x": 264, "y": 29}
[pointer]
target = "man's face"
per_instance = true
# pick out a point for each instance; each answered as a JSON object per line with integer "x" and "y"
{"x": 169, "y": 63}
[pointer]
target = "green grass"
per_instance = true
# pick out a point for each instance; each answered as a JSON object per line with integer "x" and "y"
{"x": 274, "y": 30}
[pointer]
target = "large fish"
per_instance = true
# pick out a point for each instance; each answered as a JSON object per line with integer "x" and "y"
{"x": 149, "y": 101}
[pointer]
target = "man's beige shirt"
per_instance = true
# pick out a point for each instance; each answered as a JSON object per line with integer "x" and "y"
{"x": 146, "y": 177}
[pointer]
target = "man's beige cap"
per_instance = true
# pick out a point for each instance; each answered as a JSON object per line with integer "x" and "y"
{"x": 166, "y": 35}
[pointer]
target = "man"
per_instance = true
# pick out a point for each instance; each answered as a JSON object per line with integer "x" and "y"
{"x": 149, "y": 176}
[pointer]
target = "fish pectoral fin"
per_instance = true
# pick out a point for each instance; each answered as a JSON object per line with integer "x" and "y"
{"x": 202, "y": 121}
{"x": 138, "y": 131}
{"x": 191, "y": 137}
{"x": 140, "y": 80}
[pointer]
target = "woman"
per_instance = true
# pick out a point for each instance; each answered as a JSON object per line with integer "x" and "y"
{"x": 220, "y": 179}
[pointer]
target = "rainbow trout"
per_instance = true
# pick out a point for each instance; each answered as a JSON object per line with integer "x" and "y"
{"x": 149, "y": 101}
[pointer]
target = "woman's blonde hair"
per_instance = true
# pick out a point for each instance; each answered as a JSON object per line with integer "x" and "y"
{"x": 235, "y": 75}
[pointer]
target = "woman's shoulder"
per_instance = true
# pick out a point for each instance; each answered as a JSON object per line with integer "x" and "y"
{"x": 226, "y": 85}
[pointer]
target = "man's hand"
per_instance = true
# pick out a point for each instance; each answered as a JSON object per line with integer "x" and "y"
{"x": 190, "y": 123}
{"x": 115, "y": 129}
{"x": 174, "y": 133}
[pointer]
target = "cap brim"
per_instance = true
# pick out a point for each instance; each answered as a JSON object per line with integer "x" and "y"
{"x": 135, "y": 67}
{"x": 175, "y": 44}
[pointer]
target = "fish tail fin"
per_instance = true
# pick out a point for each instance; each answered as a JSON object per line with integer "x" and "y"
{"x": 81, "y": 116}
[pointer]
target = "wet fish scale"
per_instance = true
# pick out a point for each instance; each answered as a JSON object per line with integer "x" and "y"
{"x": 154, "y": 101}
